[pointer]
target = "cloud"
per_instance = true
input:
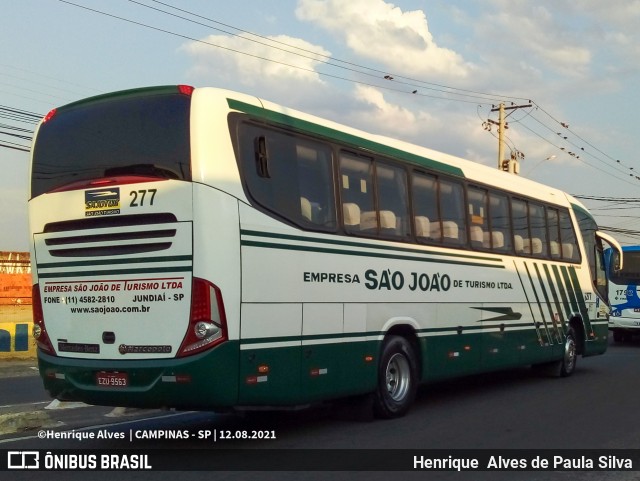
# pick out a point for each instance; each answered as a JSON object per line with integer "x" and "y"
{"x": 451, "y": 131}
{"x": 374, "y": 29}
{"x": 265, "y": 67}
{"x": 378, "y": 114}
{"x": 512, "y": 29}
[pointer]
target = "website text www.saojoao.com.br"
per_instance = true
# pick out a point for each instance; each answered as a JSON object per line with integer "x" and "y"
{"x": 110, "y": 310}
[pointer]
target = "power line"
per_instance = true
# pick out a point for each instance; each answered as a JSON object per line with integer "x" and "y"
{"x": 356, "y": 68}
{"x": 387, "y": 78}
{"x": 330, "y": 60}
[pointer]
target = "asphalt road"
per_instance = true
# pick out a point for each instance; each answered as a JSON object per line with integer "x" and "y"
{"x": 518, "y": 409}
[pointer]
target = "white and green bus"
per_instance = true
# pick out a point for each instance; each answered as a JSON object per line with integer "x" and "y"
{"x": 205, "y": 249}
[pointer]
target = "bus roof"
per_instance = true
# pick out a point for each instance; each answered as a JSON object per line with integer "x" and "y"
{"x": 415, "y": 154}
{"x": 378, "y": 144}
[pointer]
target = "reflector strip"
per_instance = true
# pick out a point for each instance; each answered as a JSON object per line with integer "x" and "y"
{"x": 256, "y": 379}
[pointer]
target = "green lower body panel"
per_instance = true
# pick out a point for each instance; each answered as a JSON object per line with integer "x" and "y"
{"x": 294, "y": 375}
{"x": 598, "y": 342}
{"x": 203, "y": 381}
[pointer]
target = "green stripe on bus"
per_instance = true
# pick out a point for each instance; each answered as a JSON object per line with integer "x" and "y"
{"x": 343, "y": 137}
{"x": 113, "y": 272}
{"x": 580, "y": 297}
{"x": 524, "y": 291}
{"x": 305, "y": 338}
{"x": 351, "y": 335}
{"x": 325, "y": 250}
{"x": 570, "y": 289}
{"x": 535, "y": 294}
{"x": 547, "y": 302}
{"x": 361, "y": 245}
{"x": 556, "y": 301}
{"x": 103, "y": 262}
{"x": 563, "y": 293}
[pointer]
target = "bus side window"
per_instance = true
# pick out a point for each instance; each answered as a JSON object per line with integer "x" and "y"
{"x": 521, "y": 236}
{"x": 426, "y": 217}
{"x": 453, "y": 212}
{"x": 289, "y": 176}
{"x": 315, "y": 185}
{"x": 478, "y": 218}
{"x": 499, "y": 222}
{"x": 538, "y": 223}
{"x": 393, "y": 200}
{"x": 356, "y": 182}
{"x": 553, "y": 222}
{"x": 570, "y": 251}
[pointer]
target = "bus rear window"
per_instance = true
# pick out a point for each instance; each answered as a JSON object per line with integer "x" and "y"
{"x": 146, "y": 135}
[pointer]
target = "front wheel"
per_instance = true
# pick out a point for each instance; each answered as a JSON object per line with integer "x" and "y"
{"x": 567, "y": 365}
{"x": 397, "y": 378}
{"x": 618, "y": 336}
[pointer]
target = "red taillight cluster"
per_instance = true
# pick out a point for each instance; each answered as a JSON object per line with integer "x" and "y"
{"x": 39, "y": 330}
{"x": 49, "y": 116}
{"x": 207, "y": 322}
{"x": 186, "y": 89}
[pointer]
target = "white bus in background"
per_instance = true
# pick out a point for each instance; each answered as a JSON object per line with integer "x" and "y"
{"x": 624, "y": 292}
{"x": 205, "y": 249}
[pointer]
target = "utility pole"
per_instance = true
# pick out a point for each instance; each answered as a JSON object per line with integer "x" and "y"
{"x": 510, "y": 164}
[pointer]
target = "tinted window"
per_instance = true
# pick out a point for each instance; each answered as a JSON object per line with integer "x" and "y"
{"x": 500, "y": 222}
{"x": 479, "y": 218}
{"x": 630, "y": 272}
{"x": 538, "y": 225}
{"x": 453, "y": 225}
{"x": 520, "y": 215}
{"x": 593, "y": 251}
{"x": 553, "y": 223}
{"x": 358, "y": 205}
{"x": 133, "y": 135}
{"x": 289, "y": 175}
{"x": 393, "y": 201}
{"x": 425, "y": 207}
{"x": 570, "y": 249}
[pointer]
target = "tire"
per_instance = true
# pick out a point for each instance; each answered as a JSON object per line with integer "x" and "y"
{"x": 617, "y": 336}
{"x": 570, "y": 356}
{"x": 567, "y": 365}
{"x": 397, "y": 379}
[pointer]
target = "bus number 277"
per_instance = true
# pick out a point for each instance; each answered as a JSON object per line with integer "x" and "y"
{"x": 139, "y": 196}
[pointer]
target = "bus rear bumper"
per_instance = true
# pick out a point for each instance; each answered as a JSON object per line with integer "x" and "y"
{"x": 624, "y": 323}
{"x": 204, "y": 381}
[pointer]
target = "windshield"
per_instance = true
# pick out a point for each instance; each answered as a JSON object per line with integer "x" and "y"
{"x": 630, "y": 272}
{"x": 145, "y": 133}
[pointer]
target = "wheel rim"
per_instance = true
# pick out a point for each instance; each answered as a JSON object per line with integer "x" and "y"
{"x": 569, "y": 354}
{"x": 398, "y": 377}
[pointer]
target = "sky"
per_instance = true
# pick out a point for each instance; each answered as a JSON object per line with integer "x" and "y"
{"x": 425, "y": 71}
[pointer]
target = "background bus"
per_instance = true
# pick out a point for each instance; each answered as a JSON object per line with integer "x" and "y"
{"x": 204, "y": 249}
{"x": 623, "y": 292}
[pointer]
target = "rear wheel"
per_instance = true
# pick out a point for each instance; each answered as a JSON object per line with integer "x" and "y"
{"x": 397, "y": 378}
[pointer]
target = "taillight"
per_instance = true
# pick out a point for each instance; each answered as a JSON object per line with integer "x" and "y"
{"x": 39, "y": 330}
{"x": 207, "y": 322}
{"x": 49, "y": 116}
{"x": 186, "y": 89}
